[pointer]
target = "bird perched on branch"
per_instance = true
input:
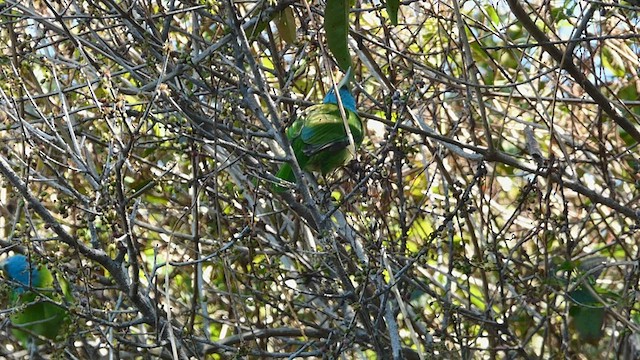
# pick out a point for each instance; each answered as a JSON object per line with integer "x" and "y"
{"x": 319, "y": 137}
{"x": 36, "y": 315}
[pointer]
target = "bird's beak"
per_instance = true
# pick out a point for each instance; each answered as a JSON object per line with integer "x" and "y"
{"x": 345, "y": 80}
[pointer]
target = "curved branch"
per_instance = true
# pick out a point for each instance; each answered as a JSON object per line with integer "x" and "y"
{"x": 566, "y": 64}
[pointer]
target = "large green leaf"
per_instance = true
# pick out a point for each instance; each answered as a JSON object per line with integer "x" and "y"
{"x": 336, "y": 26}
{"x": 587, "y": 316}
{"x": 392, "y": 10}
{"x": 286, "y": 25}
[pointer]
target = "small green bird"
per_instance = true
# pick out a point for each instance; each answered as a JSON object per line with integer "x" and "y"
{"x": 318, "y": 137}
{"x": 32, "y": 294}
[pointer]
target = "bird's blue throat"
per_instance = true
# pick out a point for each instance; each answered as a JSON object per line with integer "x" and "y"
{"x": 17, "y": 269}
{"x": 348, "y": 101}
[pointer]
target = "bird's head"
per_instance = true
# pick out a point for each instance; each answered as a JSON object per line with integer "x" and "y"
{"x": 18, "y": 270}
{"x": 348, "y": 101}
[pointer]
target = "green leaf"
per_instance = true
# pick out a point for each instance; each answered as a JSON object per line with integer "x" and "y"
{"x": 156, "y": 200}
{"x": 588, "y": 323}
{"x": 612, "y": 62}
{"x": 629, "y": 92}
{"x": 392, "y": 10}
{"x": 259, "y": 26}
{"x": 492, "y": 14}
{"x": 336, "y": 26}
{"x": 253, "y": 32}
{"x": 286, "y": 25}
{"x": 587, "y": 315}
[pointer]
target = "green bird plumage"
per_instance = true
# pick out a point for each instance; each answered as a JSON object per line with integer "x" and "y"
{"x": 318, "y": 137}
{"x": 32, "y": 294}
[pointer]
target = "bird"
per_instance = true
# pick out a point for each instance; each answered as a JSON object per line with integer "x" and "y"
{"x": 318, "y": 136}
{"x": 36, "y": 315}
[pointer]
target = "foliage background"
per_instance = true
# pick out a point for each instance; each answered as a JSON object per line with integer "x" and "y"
{"x": 491, "y": 211}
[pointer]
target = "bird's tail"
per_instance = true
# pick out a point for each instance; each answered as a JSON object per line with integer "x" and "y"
{"x": 285, "y": 173}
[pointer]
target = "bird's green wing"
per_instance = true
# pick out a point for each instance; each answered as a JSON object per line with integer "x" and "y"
{"x": 325, "y": 137}
{"x": 40, "y": 318}
{"x": 323, "y": 129}
{"x": 319, "y": 140}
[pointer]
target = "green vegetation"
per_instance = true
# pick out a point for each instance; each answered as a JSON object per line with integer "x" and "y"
{"x": 490, "y": 211}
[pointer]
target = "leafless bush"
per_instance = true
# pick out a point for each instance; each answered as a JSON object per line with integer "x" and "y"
{"x": 498, "y": 180}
